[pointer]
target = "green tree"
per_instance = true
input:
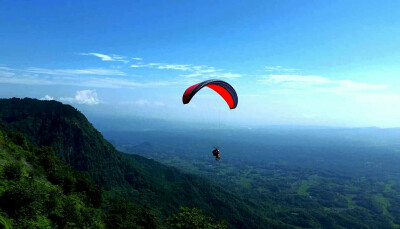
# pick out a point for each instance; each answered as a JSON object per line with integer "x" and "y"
{"x": 24, "y": 199}
{"x": 5, "y": 223}
{"x": 124, "y": 214}
{"x": 12, "y": 171}
{"x": 190, "y": 218}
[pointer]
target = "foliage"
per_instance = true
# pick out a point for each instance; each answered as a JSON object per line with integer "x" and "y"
{"x": 125, "y": 215}
{"x": 193, "y": 218}
{"x": 33, "y": 198}
{"x": 5, "y": 223}
{"x": 12, "y": 171}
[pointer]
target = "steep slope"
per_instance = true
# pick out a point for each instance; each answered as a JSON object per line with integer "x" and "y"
{"x": 146, "y": 182}
{"x": 37, "y": 191}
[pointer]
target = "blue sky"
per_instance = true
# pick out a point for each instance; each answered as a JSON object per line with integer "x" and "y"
{"x": 330, "y": 63}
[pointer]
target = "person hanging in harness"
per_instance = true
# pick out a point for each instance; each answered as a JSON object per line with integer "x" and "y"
{"x": 215, "y": 152}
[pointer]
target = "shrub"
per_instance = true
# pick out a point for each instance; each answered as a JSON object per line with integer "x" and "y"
{"x": 12, "y": 171}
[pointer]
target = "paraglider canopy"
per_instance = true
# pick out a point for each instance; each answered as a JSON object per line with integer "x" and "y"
{"x": 225, "y": 90}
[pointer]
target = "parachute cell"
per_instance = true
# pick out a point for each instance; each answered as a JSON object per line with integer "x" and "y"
{"x": 225, "y": 90}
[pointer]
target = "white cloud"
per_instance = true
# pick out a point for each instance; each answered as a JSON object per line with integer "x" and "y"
{"x": 5, "y": 68}
{"x": 191, "y": 75}
{"x": 319, "y": 82}
{"x": 138, "y": 65}
{"x": 47, "y": 97}
{"x": 202, "y": 71}
{"x": 191, "y": 71}
{"x": 155, "y": 64}
{"x": 205, "y": 71}
{"x": 88, "y": 97}
{"x": 279, "y": 69}
{"x": 87, "y": 71}
{"x": 105, "y": 57}
{"x": 181, "y": 67}
{"x": 227, "y": 75}
{"x": 163, "y": 66}
{"x": 6, "y": 73}
{"x": 149, "y": 65}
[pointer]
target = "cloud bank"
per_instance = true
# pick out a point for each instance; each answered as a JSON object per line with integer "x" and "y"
{"x": 47, "y": 97}
{"x": 88, "y": 97}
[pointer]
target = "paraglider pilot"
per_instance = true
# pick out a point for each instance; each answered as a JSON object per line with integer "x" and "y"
{"x": 215, "y": 152}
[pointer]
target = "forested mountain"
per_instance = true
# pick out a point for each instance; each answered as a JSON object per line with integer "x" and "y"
{"x": 38, "y": 191}
{"x": 145, "y": 182}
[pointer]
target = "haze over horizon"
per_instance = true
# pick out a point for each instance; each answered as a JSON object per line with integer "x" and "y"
{"x": 308, "y": 63}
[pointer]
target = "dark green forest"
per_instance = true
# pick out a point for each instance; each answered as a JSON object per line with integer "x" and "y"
{"x": 38, "y": 191}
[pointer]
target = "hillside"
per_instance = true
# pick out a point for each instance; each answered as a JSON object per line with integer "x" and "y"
{"x": 38, "y": 191}
{"x": 143, "y": 181}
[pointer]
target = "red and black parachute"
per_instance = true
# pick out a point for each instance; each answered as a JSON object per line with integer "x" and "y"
{"x": 225, "y": 90}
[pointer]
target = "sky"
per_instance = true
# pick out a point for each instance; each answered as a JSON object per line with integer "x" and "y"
{"x": 314, "y": 63}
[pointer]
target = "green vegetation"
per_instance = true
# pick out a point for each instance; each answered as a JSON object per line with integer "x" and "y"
{"x": 127, "y": 215}
{"x": 302, "y": 190}
{"x": 193, "y": 218}
{"x": 350, "y": 203}
{"x": 37, "y": 191}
